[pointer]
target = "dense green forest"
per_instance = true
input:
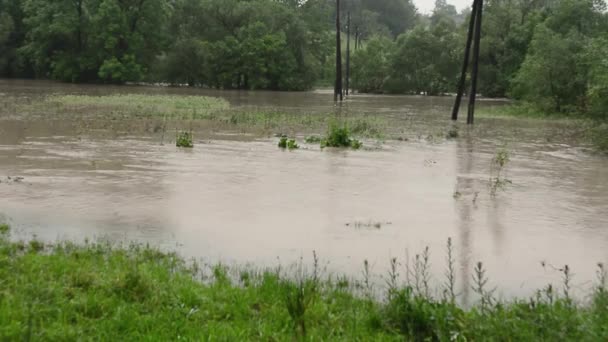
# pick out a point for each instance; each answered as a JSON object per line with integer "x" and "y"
{"x": 549, "y": 52}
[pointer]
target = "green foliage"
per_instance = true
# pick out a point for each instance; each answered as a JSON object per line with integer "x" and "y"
{"x": 425, "y": 61}
{"x": 88, "y": 40}
{"x": 550, "y": 54}
{"x": 340, "y": 136}
{"x": 116, "y": 71}
{"x": 283, "y": 142}
{"x": 286, "y": 143}
{"x": 4, "y": 229}
{"x": 100, "y": 291}
{"x": 596, "y": 56}
{"x": 550, "y": 76}
{"x": 184, "y": 139}
{"x": 371, "y": 66}
{"x": 313, "y": 139}
{"x": 292, "y": 144}
{"x": 422, "y": 60}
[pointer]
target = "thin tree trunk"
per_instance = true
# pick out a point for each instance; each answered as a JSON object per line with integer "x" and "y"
{"x": 465, "y": 65}
{"x": 348, "y": 54}
{"x": 475, "y": 73}
{"x": 338, "y": 85}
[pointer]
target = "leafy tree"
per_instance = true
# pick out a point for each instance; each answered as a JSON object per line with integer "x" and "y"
{"x": 551, "y": 76}
{"x": 597, "y": 58}
{"x": 371, "y": 65}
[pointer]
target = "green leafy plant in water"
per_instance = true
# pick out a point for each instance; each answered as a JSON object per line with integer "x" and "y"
{"x": 283, "y": 142}
{"x": 4, "y": 229}
{"x": 497, "y": 179}
{"x": 292, "y": 144}
{"x": 286, "y": 143}
{"x": 184, "y": 139}
{"x": 340, "y": 137}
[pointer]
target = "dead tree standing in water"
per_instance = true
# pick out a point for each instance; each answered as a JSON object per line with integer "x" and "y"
{"x": 338, "y": 85}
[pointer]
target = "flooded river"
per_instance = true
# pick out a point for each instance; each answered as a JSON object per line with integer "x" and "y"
{"x": 245, "y": 201}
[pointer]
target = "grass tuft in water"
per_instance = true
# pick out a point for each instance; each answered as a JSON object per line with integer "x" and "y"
{"x": 497, "y": 179}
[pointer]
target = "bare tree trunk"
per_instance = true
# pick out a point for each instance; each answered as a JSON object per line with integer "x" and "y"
{"x": 338, "y": 85}
{"x": 348, "y": 54}
{"x": 465, "y": 65}
{"x": 475, "y": 73}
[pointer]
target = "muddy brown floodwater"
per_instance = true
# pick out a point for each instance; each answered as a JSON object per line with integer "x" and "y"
{"x": 248, "y": 202}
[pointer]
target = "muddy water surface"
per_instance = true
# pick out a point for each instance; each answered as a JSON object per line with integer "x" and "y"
{"x": 245, "y": 201}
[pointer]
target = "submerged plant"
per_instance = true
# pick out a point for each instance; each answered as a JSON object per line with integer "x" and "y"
{"x": 184, "y": 139}
{"x": 340, "y": 137}
{"x": 283, "y": 142}
{"x": 292, "y": 144}
{"x": 286, "y": 143}
{"x": 453, "y": 133}
{"x": 497, "y": 179}
{"x": 313, "y": 139}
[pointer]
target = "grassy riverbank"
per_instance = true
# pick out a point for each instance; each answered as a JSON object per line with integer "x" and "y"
{"x": 98, "y": 291}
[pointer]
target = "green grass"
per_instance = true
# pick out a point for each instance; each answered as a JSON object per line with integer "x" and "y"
{"x": 207, "y": 112}
{"x": 96, "y": 291}
{"x": 143, "y": 105}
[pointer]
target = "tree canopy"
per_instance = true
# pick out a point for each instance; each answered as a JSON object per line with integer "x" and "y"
{"x": 548, "y": 52}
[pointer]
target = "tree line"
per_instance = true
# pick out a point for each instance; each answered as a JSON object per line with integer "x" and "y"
{"x": 228, "y": 44}
{"x": 550, "y": 52}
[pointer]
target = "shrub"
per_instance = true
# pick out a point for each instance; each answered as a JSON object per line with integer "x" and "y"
{"x": 184, "y": 139}
{"x": 340, "y": 137}
{"x": 286, "y": 143}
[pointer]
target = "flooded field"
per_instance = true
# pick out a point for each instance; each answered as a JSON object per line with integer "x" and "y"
{"x": 237, "y": 198}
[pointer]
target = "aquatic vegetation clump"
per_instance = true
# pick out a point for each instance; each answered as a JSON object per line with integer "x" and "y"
{"x": 184, "y": 139}
{"x": 286, "y": 143}
{"x": 313, "y": 139}
{"x": 340, "y": 137}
